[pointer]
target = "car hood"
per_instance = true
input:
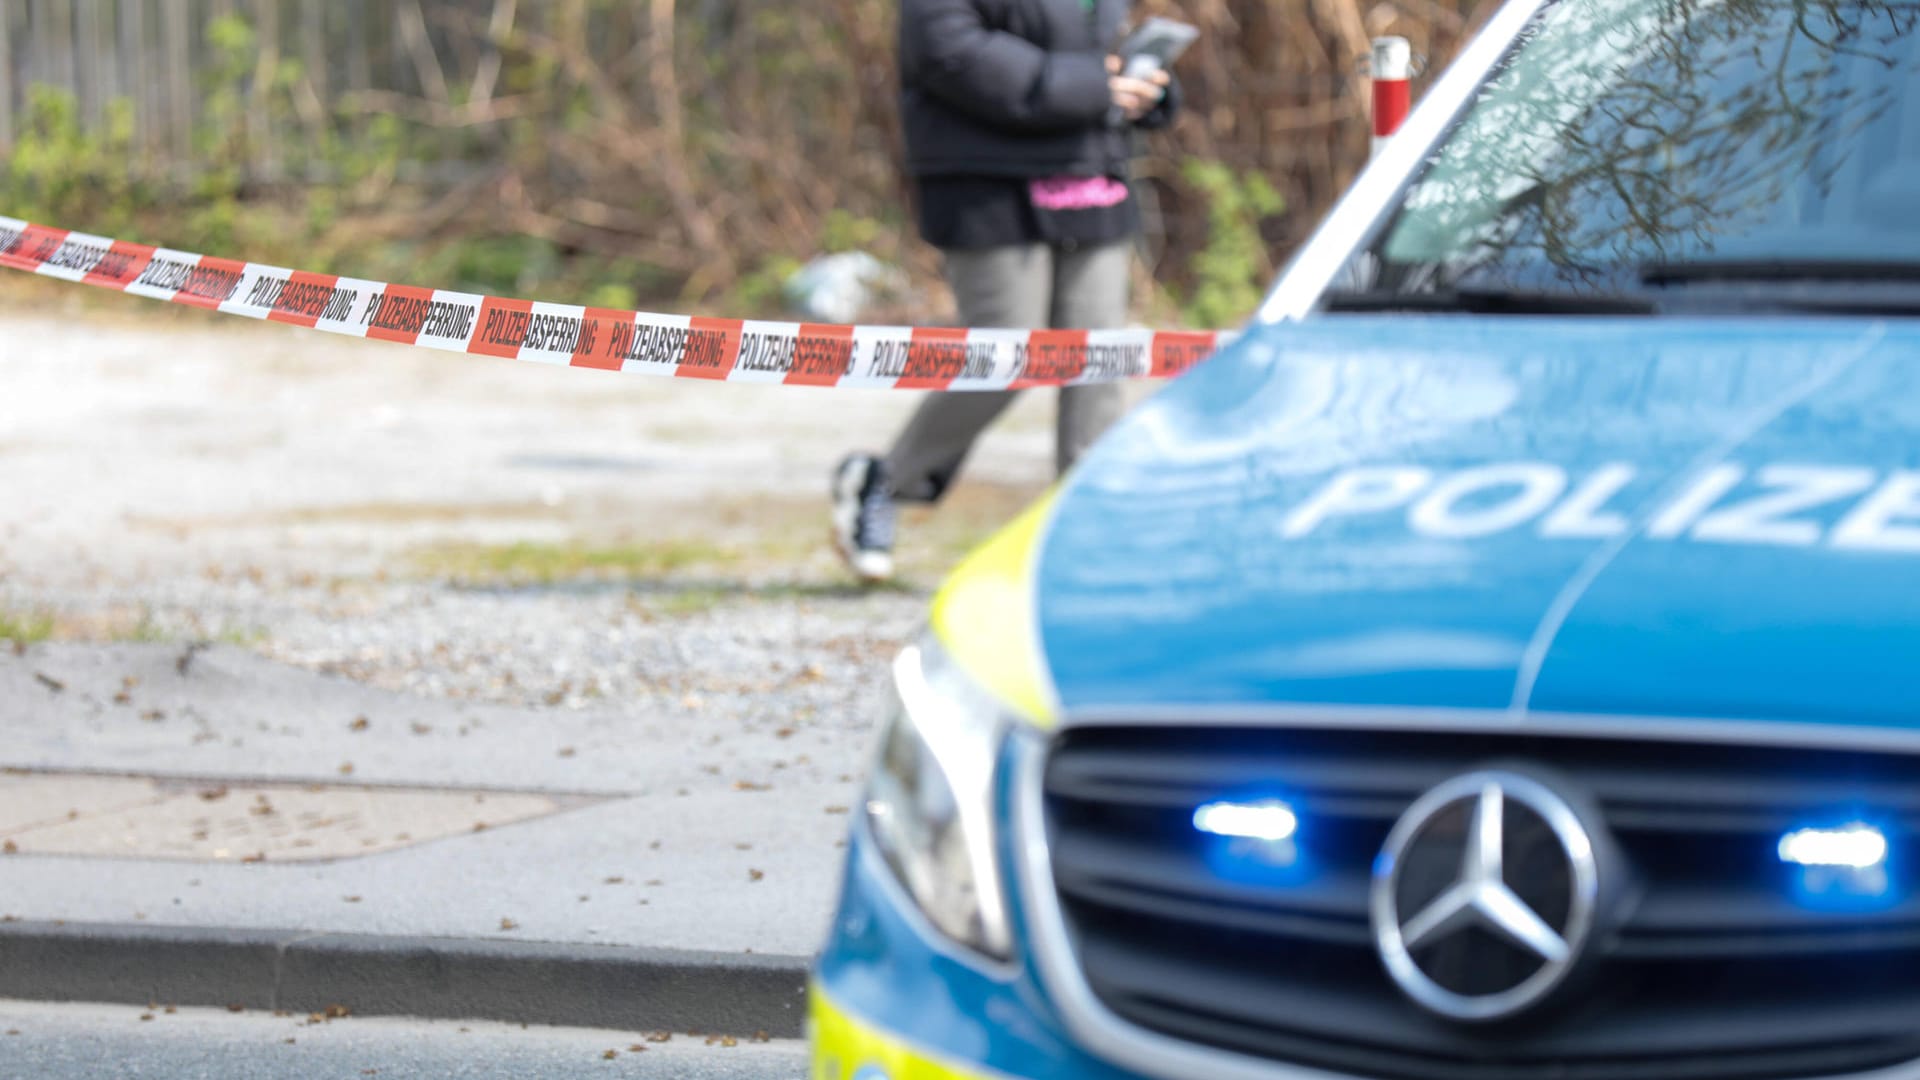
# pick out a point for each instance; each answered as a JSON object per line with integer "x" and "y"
{"x": 1646, "y": 517}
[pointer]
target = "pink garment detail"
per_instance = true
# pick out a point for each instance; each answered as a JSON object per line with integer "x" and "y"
{"x": 1076, "y": 192}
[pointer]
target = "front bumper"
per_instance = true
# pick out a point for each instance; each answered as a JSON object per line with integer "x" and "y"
{"x": 892, "y": 999}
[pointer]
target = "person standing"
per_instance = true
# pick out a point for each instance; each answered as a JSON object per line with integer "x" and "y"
{"x": 1019, "y": 130}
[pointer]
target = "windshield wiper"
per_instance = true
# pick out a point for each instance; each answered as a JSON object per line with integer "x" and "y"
{"x": 1750, "y": 270}
{"x": 1814, "y": 286}
{"x": 1489, "y": 302}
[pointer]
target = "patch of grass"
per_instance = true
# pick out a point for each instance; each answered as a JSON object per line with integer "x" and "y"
{"x": 530, "y": 562}
{"x": 25, "y": 627}
{"x": 117, "y": 625}
{"x": 245, "y": 637}
{"x": 685, "y": 603}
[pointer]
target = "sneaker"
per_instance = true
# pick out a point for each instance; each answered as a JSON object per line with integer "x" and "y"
{"x": 863, "y": 516}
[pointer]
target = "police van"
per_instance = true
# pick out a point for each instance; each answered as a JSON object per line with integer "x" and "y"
{"x": 1504, "y": 661}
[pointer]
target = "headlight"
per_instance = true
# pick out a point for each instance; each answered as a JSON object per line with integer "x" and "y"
{"x": 930, "y": 799}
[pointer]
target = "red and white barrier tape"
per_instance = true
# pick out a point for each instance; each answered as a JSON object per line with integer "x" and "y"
{"x": 734, "y": 350}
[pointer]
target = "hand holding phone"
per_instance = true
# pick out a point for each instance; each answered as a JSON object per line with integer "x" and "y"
{"x": 1139, "y": 67}
{"x": 1155, "y": 46}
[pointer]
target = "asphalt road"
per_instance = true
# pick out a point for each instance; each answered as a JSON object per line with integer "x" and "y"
{"x": 85, "y": 1042}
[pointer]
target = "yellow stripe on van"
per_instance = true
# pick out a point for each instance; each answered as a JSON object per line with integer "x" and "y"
{"x": 845, "y": 1048}
{"x": 984, "y": 615}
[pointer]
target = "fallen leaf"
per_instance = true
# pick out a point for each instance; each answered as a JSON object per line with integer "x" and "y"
{"x": 755, "y": 875}
{"x": 610, "y": 1055}
{"x": 153, "y": 716}
{"x": 236, "y": 1007}
{"x": 337, "y": 1012}
{"x": 748, "y": 785}
{"x": 637, "y": 1048}
{"x": 351, "y": 899}
{"x": 783, "y": 733}
{"x": 761, "y": 1036}
{"x": 123, "y": 698}
{"x": 258, "y": 856}
{"x": 213, "y": 794}
{"x": 360, "y": 723}
{"x": 346, "y": 768}
{"x": 836, "y": 809}
{"x": 615, "y": 880}
{"x": 146, "y": 1016}
{"x": 660, "y": 1037}
{"x": 566, "y": 751}
{"x": 9, "y": 848}
{"x": 509, "y": 924}
{"x": 422, "y": 729}
{"x": 50, "y": 682}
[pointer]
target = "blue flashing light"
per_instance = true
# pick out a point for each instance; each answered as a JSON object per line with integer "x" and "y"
{"x": 1840, "y": 867}
{"x": 1270, "y": 820}
{"x": 1852, "y": 847}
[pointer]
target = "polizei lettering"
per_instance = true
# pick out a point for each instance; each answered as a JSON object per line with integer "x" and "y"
{"x": 211, "y": 283}
{"x": 767, "y": 352}
{"x": 553, "y": 333}
{"x": 304, "y": 298}
{"x": 1786, "y": 505}
{"x": 165, "y": 274}
{"x": 114, "y": 265}
{"x": 418, "y": 315}
{"x": 74, "y": 255}
{"x": 706, "y": 349}
{"x": 822, "y": 356}
{"x": 942, "y": 360}
{"x": 649, "y": 344}
{"x": 1109, "y": 362}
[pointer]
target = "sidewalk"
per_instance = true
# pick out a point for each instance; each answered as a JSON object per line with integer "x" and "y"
{"x": 197, "y": 837}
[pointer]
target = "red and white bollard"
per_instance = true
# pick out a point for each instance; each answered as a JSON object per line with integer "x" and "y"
{"x": 1392, "y": 72}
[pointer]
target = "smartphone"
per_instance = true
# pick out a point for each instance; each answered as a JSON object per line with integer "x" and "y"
{"x": 1155, "y": 46}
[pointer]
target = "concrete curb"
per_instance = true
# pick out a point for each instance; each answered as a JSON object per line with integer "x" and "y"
{"x": 624, "y": 988}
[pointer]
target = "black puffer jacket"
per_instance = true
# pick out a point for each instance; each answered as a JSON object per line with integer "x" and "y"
{"x": 1013, "y": 88}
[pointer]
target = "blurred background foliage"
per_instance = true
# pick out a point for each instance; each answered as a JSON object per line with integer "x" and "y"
{"x": 628, "y": 153}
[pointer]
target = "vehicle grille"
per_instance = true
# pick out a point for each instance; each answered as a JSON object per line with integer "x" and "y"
{"x": 1712, "y": 971}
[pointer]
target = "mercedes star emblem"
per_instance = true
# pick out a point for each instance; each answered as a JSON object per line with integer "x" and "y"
{"x": 1483, "y": 895}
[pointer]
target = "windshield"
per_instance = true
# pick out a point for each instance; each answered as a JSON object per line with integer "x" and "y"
{"x": 1630, "y": 145}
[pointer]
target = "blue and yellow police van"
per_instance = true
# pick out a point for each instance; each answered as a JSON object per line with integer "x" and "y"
{"x": 1503, "y": 661}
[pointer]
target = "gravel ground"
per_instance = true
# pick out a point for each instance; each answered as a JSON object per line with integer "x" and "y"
{"x": 482, "y": 530}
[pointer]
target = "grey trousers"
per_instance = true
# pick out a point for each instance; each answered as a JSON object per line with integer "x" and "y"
{"x": 1029, "y": 287}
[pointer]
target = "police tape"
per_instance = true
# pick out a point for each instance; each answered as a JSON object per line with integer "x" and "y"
{"x": 732, "y": 350}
